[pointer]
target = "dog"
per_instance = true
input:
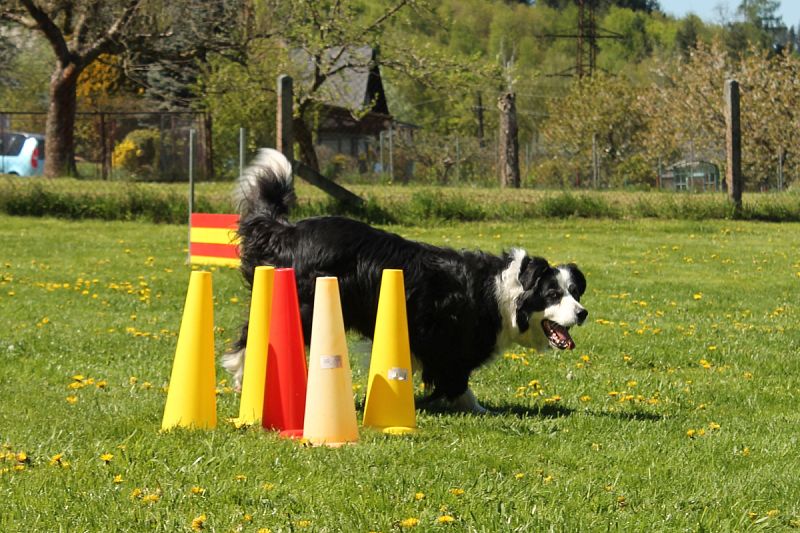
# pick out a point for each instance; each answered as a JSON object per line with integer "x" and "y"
{"x": 462, "y": 306}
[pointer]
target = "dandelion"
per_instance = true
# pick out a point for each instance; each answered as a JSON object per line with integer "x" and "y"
{"x": 409, "y": 522}
{"x": 268, "y": 486}
{"x": 705, "y": 364}
{"x": 303, "y": 523}
{"x": 691, "y": 433}
{"x": 585, "y": 398}
{"x": 457, "y": 492}
{"x": 106, "y": 457}
{"x": 118, "y": 479}
{"x": 72, "y": 399}
{"x": 198, "y": 523}
{"x": 151, "y": 498}
{"x": 198, "y": 490}
{"x": 519, "y": 475}
{"x": 713, "y": 426}
{"x": 446, "y": 519}
{"x": 698, "y": 296}
{"x": 57, "y": 459}
{"x": 264, "y": 530}
{"x": 419, "y": 496}
{"x": 772, "y": 513}
{"x": 22, "y": 457}
{"x": 240, "y": 477}
{"x": 136, "y": 493}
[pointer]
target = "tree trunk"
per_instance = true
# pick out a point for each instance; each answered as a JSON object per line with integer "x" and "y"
{"x": 59, "y": 157}
{"x": 509, "y": 142}
{"x": 305, "y": 140}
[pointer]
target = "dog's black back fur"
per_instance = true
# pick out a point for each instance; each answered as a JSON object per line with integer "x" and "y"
{"x": 451, "y": 303}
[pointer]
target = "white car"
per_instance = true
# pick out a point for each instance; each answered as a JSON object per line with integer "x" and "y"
{"x": 21, "y": 154}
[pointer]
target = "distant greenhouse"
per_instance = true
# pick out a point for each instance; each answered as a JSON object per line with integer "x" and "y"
{"x": 695, "y": 176}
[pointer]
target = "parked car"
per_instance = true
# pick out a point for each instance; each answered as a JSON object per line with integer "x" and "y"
{"x": 21, "y": 153}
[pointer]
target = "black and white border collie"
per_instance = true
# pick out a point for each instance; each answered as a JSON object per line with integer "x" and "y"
{"x": 462, "y": 306}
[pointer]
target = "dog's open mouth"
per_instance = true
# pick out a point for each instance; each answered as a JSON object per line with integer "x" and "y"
{"x": 558, "y": 335}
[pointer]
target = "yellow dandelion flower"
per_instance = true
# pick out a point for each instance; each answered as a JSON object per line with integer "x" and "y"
{"x": 419, "y": 496}
{"x": 72, "y": 399}
{"x": 133, "y": 380}
{"x": 409, "y": 522}
{"x": 456, "y": 492}
{"x": 78, "y": 377}
{"x": 198, "y": 490}
{"x": 151, "y": 498}
{"x": 691, "y": 433}
{"x": 240, "y": 477}
{"x": 713, "y": 426}
{"x": 698, "y": 296}
{"x": 746, "y": 451}
{"x": 264, "y": 530}
{"x": 22, "y": 457}
{"x": 547, "y": 479}
{"x": 136, "y": 493}
{"x": 198, "y": 523}
{"x": 772, "y": 513}
{"x": 102, "y": 384}
{"x": 56, "y": 459}
{"x": 106, "y": 457}
{"x": 118, "y": 479}
{"x": 303, "y": 523}
{"x": 585, "y": 398}
{"x": 268, "y": 486}
{"x": 445, "y": 519}
{"x": 247, "y": 518}
{"x": 519, "y": 475}
{"x": 752, "y": 516}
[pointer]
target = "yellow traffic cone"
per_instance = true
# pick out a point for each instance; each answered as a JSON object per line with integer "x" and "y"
{"x": 390, "y": 393}
{"x": 251, "y": 403}
{"x": 191, "y": 399}
{"x": 330, "y": 416}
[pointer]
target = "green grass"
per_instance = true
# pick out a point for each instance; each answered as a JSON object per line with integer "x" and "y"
{"x": 693, "y": 328}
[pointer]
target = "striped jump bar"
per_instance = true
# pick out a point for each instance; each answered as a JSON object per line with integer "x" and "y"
{"x": 213, "y": 239}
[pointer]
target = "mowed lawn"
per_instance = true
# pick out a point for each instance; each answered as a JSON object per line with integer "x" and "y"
{"x": 678, "y": 410}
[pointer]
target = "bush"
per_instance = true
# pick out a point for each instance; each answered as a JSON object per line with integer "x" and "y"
{"x": 139, "y": 153}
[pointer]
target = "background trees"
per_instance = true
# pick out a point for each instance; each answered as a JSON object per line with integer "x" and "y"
{"x": 655, "y": 96}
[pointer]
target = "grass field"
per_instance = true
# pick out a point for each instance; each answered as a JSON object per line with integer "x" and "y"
{"x": 678, "y": 410}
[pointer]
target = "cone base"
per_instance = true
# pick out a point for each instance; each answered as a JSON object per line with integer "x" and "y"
{"x": 291, "y": 434}
{"x": 240, "y": 423}
{"x": 399, "y": 430}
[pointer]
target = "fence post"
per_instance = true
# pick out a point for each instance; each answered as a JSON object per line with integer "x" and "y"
{"x": 191, "y": 189}
{"x": 733, "y": 144}
{"x": 509, "y": 142}
{"x": 284, "y": 135}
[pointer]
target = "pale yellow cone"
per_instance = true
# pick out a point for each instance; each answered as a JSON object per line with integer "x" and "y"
{"x": 251, "y": 403}
{"x": 330, "y": 416}
{"x": 390, "y": 392}
{"x": 191, "y": 399}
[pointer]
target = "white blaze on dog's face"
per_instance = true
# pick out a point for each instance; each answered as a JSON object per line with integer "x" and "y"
{"x": 541, "y": 302}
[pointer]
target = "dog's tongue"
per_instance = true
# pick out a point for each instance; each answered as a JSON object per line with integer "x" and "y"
{"x": 557, "y": 335}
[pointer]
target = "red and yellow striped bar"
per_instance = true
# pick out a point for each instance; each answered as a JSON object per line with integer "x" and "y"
{"x": 213, "y": 239}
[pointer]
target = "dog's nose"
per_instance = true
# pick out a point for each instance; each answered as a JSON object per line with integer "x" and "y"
{"x": 582, "y": 314}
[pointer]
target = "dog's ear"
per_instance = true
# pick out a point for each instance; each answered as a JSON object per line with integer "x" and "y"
{"x": 577, "y": 280}
{"x": 531, "y": 272}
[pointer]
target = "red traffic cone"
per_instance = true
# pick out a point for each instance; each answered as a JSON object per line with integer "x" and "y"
{"x": 285, "y": 389}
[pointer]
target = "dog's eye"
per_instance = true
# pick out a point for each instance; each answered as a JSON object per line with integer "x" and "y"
{"x": 553, "y": 295}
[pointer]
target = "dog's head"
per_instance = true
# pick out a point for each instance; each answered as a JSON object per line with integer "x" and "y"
{"x": 546, "y": 302}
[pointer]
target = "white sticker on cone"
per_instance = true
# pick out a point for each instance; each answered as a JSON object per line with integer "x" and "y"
{"x": 398, "y": 374}
{"x": 330, "y": 361}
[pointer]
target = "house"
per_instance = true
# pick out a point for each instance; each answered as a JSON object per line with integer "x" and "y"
{"x": 353, "y": 110}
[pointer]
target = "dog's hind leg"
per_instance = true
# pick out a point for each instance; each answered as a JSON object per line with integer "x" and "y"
{"x": 233, "y": 361}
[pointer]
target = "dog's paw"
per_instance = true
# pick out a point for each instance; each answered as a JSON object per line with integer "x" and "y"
{"x": 233, "y": 362}
{"x": 467, "y": 403}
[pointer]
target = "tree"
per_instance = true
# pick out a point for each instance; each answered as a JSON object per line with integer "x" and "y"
{"x": 78, "y": 32}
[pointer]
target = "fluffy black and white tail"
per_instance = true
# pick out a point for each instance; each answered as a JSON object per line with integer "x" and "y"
{"x": 266, "y": 187}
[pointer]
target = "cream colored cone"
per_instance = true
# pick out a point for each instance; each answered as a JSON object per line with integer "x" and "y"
{"x": 390, "y": 392}
{"x": 251, "y": 403}
{"x": 191, "y": 399}
{"x": 330, "y": 416}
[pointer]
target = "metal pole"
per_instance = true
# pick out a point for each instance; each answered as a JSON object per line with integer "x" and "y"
{"x": 391, "y": 154}
{"x": 380, "y": 150}
{"x": 594, "y": 159}
{"x": 780, "y": 169}
{"x": 191, "y": 189}
{"x": 241, "y": 150}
